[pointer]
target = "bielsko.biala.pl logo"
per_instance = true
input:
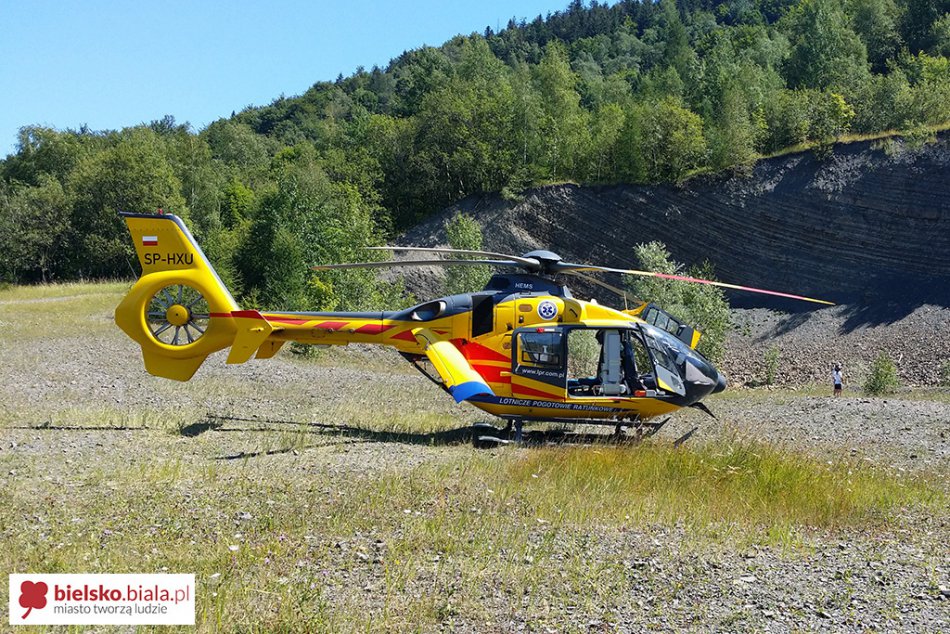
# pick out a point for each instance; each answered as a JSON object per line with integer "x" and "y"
{"x": 102, "y": 599}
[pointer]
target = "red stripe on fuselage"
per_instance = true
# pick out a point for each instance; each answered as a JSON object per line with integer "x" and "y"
{"x": 372, "y": 329}
{"x": 405, "y": 335}
{"x": 330, "y": 325}
{"x": 244, "y": 314}
{"x": 287, "y": 320}
{"x": 477, "y": 352}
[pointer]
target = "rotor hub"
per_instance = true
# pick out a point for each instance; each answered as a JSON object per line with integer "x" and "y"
{"x": 548, "y": 261}
{"x": 177, "y": 315}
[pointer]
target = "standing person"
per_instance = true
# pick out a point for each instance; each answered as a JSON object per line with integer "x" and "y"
{"x": 838, "y": 379}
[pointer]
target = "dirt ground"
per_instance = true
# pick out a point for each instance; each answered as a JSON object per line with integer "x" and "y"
{"x": 75, "y": 404}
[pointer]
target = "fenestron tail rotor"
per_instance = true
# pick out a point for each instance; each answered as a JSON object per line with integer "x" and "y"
{"x": 177, "y": 315}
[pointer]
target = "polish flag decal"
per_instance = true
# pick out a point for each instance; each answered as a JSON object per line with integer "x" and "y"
{"x": 149, "y": 241}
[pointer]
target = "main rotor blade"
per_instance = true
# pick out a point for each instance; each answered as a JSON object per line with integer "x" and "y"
{"x": 395, "y": 263}
{"x": 480, "y": 254}
{"x": 565, "y": 267}
{"x": 610, "y": 287}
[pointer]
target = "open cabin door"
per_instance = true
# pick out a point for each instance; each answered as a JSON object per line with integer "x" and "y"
{"x": 617, "y": 363}
{"x": 668, "y": 377}
{"x": 538, "y": 364}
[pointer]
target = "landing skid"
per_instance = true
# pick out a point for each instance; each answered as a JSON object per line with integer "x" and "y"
{"x": 485, "y": 435}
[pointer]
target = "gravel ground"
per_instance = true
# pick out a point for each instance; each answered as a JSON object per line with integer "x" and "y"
{"x": 918, "y": 341}
{"x": 894, "y": 432}
{"x": 845, "y": 580}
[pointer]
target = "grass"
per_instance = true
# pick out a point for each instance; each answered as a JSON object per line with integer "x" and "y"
{"x": 509, "y": 522}
{"x": 61, "y": 291}
{"x": 54, "y": 311}
{"x": 854, "y": 138}
{"x": 739, "y": 484}
{"x": 290, "y": 526}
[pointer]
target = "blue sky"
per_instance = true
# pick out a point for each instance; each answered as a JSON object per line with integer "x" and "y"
{"x": 112, "y": 63}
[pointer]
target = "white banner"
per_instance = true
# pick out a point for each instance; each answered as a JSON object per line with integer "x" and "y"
{"x": 78, "y": 599}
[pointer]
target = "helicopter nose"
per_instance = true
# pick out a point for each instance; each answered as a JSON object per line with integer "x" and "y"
{"x": 721, "y": 383}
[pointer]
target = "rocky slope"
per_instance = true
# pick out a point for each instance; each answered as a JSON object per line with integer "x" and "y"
{"x": 871, "y": 222}
{"x": 868, "y": 227}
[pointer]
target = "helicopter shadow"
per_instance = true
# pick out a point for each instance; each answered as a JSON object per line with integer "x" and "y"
{"x": 351, "y": 434}
{"x": 48, "y": 427}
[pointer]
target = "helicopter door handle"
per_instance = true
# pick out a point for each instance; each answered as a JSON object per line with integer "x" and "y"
{"x": 504, "y": 374}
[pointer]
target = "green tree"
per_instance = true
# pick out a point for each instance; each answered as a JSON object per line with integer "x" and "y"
{"x": 132, "y": 175}
{"x": 603, "y": 157}
{"x": 831, "y": 117}
{"x": 699, "y": 305}
{"x": 670, "y": 141}
{"x": 465, "y": 131}
{"x": 307, "y": 219}
{"x": 236, "y": 146}
{"x": 677, "y": 51}
{"x": 735, "y": 134}
{"x": 390, "y": 142}
{"x": 826, "y": 53}
{"x": 237, "y": 204}
{"x": 884, "y": 103}
{"x": 930, "y": 89}
{"x": 941, "y": 36}
{"x": 788, "y": 119}
{"x": 917, "y": 23}
{"x": 419, "y": 73}
{"x": 34, "y": 225}
{"x": 771, "y": 357}
{"x": 882, "y": 378}
{"x": 876, "y": 22}
{"x": 563, "y": 128}
{"x": 464, "y": 233}
{"x": 44, "y": 151}
{"x": 270, "y": 262}
{"x": 190, "y": 158}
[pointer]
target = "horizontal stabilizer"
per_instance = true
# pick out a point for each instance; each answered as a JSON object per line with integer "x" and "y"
{"x": 252, "y": 331}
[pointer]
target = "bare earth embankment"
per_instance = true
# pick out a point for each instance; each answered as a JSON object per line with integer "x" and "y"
{"x": 341, "y": 494}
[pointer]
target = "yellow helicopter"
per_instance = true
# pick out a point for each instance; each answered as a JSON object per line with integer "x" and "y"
{"x": 522, "y": 349}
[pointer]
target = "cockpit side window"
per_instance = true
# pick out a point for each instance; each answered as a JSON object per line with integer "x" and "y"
{"x": 540, "y": 349}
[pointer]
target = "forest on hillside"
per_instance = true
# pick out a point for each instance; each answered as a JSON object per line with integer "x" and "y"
{"x": 637, "y": 92}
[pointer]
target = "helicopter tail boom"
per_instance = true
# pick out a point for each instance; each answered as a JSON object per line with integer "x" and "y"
{"x": 179, "y": 310}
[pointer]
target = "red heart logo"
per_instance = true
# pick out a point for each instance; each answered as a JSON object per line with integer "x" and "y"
{"x": 32, "y": 595}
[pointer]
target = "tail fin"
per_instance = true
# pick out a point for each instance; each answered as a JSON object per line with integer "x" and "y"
{"x": 179, "y": 311}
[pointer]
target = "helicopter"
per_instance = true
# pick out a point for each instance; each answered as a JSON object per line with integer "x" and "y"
{"x": 524, "y": 349}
